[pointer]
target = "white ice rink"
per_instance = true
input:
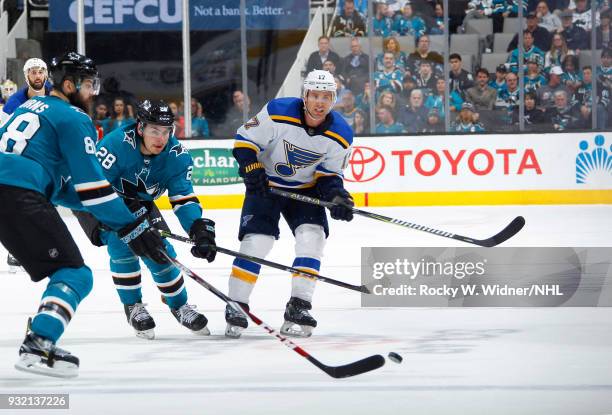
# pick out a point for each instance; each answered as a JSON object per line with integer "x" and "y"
{"x": 456, "y": 361}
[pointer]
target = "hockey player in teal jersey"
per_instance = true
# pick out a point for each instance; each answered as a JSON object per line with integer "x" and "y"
{"x": 47, "y": 153}
{"x": 142, "y": 160}
{"x": 302, "y": 145}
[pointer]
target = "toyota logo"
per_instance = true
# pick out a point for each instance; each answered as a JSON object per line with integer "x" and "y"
{"x": 365, "y": 164}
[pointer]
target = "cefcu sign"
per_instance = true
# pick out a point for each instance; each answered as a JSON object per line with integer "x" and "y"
{"x": 135, "y": 15}
{"x": 482, "y": 162}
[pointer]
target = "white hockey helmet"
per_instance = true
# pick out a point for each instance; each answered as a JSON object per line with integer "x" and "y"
{"x": 8, "y": 88}
{"x": 319, "y": 80}
{"x": 34, "y": 63}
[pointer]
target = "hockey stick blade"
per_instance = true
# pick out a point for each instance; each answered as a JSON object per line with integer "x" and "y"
{"x": 360, "y": 288}
{"x": 509, "y": 231}
{"x": 356, "y": 368}
{"x": 345, "y": 371}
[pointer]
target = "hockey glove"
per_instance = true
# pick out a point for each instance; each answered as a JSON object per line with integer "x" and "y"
{"x": 203, "y": 233}
{"x": 343, "y": 209}
{"x": 143, "y": 240}
{"x": 255, "y": 178}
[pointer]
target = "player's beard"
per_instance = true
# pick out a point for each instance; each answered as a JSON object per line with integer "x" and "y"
{"x": 78, "y": 101}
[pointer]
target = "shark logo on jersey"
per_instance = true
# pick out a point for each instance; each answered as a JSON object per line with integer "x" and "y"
{"x": 130, "y": 138}
{"x": 178, "y": 149}
{"x": 297, "y": 158}
{"x": 132, "y": 189}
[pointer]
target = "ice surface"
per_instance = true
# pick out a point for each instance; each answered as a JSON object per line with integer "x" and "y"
{"x": 461, "y": 361}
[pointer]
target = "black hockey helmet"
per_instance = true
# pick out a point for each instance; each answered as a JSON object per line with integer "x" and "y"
{"x": 75, "y": 67}
{"x": 155, "y": 112}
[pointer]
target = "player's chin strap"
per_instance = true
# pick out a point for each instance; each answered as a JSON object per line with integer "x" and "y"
{"x": 508, "y": 232}
{"x": 344, "y": 371}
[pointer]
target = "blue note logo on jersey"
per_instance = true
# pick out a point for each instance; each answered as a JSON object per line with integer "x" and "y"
{"x": 594, "y": 165}
{"x": 297, "y": 158}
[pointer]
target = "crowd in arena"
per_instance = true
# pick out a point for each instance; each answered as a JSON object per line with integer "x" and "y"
{"x": 484, "y": 85}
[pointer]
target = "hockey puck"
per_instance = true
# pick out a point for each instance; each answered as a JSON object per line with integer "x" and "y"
{"x": 394, "y": 357}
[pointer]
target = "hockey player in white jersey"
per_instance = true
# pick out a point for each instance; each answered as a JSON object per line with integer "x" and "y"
{"x": 298, "y": 144}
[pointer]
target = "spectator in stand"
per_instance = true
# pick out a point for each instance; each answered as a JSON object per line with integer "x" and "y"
{"x": 178, "y": 128}
{"x": 460, "y": 79}
{"x": 541, "y": 36}
{"x": 120, "y": 116}
{"x": 199, "y": 124}
{"x": 571, "y": 74}
{"x": 467, "y": 120}
{"x": 406, "y": 23}
{"x": 363, "y": 100}
{"x": 348, "y": 108}
{"x": 421, "y": 53}
{"x": 563, "y": 116}
{"x": 582, "y": 15}
{"x": 604, "y": 89}
{"x": 476, "y": 9}
{"x": 481, "y": 95}
{"x": 583, "y": 97}
{"x": 533, "y": 78}
{"x": 438, "y": 27}
{"x": 508, "y": 98}
{"x": 409, "y": 83}
{"x": 529, "y": 50}
{"x": 576, "y": 37}
{"x": 548, "y": 20}
{"x": 361, "y": 126}
{"x": 414, "y": 115}
{"x": 546, "y": 93}
{"x": 101, "y": 119}
{"x": 330, "y": 67}
{"x": 603, "y": 34}
{"x": 8, "y": 88}
{"x": 534, "y": 117}
{"x": 360, "y": 5}
{"x": 557, "y": 53}
{"x": 499, "y": 83}
{"x": 437, "y": 100}
{"x": 390, "y": 78}
{"x": 349, "y": 22}
{"x": 383, "y": 21}
{"x": 234, "y": 117}
{"x": 355, "y": 67}
{"x": 391, "y": 44}
{"x": 388, "y": 99}
{"x": 434, "y": 122}
{"x": 318, "y": 58}
{"x": 386, "y": 122}
{"x": 425, "y": 80}
{"x": 341, "y": 89}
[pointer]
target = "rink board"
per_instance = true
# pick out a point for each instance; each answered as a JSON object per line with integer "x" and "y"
{"x": 572, "y": 168}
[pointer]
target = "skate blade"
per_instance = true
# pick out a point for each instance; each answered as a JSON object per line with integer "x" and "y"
{"x": 202, "y": 332}
{"x": 145, "y": 334}
{"x": 233, "y": 332}
{"x": 295, "y": 330}
{"x": 33, "y": 364}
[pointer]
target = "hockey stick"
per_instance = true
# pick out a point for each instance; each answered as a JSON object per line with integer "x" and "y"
{"x": 360, "y": 288}
{"x": 345, "y": 371}
{"x": 508, "y": 232}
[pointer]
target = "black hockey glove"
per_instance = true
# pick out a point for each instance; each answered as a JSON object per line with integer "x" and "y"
{"x": 203, "y": 233}
{"x": 143, "y": 240}
{"x": 255, "y": 178}
{"x": 344, "y": 205}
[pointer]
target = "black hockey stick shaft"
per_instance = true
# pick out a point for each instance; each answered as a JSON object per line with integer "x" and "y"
{"x": 351, "y": 369}
{"x": 508, "y": 232}
{"x": 360, "y": 288}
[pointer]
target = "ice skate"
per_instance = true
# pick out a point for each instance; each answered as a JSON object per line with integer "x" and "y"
{"x": 298, "y": 321}
{"x": 236, "y": 321}
{"x": 140, "y": 319}
{"x": 13, "y": 264}
{"x": 190, "y": 318}
{"x": 39, "y": 355}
